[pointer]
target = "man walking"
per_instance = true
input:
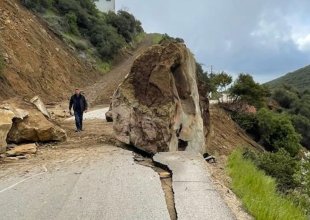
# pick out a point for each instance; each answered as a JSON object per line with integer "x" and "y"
{"x": 79, "y": 104}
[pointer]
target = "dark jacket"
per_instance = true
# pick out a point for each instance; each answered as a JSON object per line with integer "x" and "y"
{"x": 78, "y": 103}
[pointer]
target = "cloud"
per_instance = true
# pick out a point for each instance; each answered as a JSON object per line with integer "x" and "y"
{"x": 262, "y": 37}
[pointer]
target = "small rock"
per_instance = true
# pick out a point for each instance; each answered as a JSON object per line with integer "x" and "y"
{"x": 22, "y": 150}
{"x": 139, "y": 159}
{"x": 164, "y": 175}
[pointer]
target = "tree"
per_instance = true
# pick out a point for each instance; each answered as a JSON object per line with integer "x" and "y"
{"x": 125, "y": 24}
{"x": 221, "y": 80}
{"x": 277, "y": 131}
{"x": 204, "y": 80}
{"x": 245, "y": 89}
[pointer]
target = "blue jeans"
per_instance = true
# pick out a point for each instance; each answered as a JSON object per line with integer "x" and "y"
{"x": 78, "y": 120}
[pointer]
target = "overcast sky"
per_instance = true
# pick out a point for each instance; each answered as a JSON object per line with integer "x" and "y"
{"x": 266, "y": 38}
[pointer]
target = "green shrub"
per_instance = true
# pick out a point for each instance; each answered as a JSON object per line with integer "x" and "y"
{"x": 78, "y": 42}
{"x": 302, "y": 126}
{"x": 258, "y": 192}
{"x": 72, "y": 22}
{"x": 166, "y": 39}
{"x": 107, "y": 41}
{"x": 104, "y": 67}
{"x": 281, "y": 166}
{"x": 277, "y": 131}
{"x": 125, "y": 23}
{"x": 107, "y": 32}
{"x": 38, "y": 5}
{"x": 247, "y": 121}
{"x": 285, "y": 98}
{"x": 303, "y": 175}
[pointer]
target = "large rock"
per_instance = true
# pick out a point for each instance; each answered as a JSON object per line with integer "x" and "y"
{"x": 37, "y": 101}
{"x": 6, "y": 117}
{"x": 30, "y": 125}
{"x": 7, "y": 114}
{"x": 156, "y": 108}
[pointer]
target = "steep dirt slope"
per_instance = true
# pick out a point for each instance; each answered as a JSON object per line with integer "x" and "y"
{"x": 226, "y": 135}
{"x": 103, "y": 89}
{"x": 37, "y": 62}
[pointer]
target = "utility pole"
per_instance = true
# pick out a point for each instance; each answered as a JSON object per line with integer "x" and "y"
{"x": 211, "y": 69}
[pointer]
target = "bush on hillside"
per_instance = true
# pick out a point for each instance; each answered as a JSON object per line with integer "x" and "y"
{"x": 277, "y": 131}
{"x": 285, "y": 98}
{"x": 107, "y": 32}
{"x": 72, "y": 23}
{"x": 106, "y": 40}
{"x": 281, "y": 166}
{"x": 248, "y": 122}
{"x": 38, "y": 5}
{"x": 166, "y": 39}
{"x": 302, "y": 126}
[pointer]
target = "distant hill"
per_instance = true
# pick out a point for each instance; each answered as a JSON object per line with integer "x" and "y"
{"x": 299, "y": 79}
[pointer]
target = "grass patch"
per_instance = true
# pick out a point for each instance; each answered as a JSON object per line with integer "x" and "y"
{"x": 258, "y": 191}
{"x": 78, "y": 43}
{"x": 104, "y": 67}
{"x": 156, "y": 38}
{"x": 139, "y": 37}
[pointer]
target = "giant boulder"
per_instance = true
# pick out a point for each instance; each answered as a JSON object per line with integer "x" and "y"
{"x": 156, "y": 108}
{"x": 7, "y": 114}
{"x": 33, "y": 126}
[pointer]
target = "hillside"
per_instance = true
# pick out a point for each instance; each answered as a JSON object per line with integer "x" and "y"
{"x": 299, "y": 79}
{"x": 36, "y": 61}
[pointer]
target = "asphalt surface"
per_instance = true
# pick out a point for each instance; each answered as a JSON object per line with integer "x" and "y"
{"x": 110, "y": 186}
{"x": 194, "y": 193}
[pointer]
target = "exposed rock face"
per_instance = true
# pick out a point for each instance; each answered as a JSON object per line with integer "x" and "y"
{"x": 156, "y": 108}
{"x": 30, "y": 125}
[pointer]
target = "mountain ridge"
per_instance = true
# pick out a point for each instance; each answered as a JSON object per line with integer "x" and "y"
{"x": 300, "y": 79}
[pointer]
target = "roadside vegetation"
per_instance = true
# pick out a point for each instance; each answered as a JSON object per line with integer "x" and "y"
{"x": 258, "y": 191}
{"x": 91, "y": 32}
{"x": 279, "y": 121}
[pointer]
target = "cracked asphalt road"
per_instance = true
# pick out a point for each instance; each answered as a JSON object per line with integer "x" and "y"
{"x": 108, "y": 186}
